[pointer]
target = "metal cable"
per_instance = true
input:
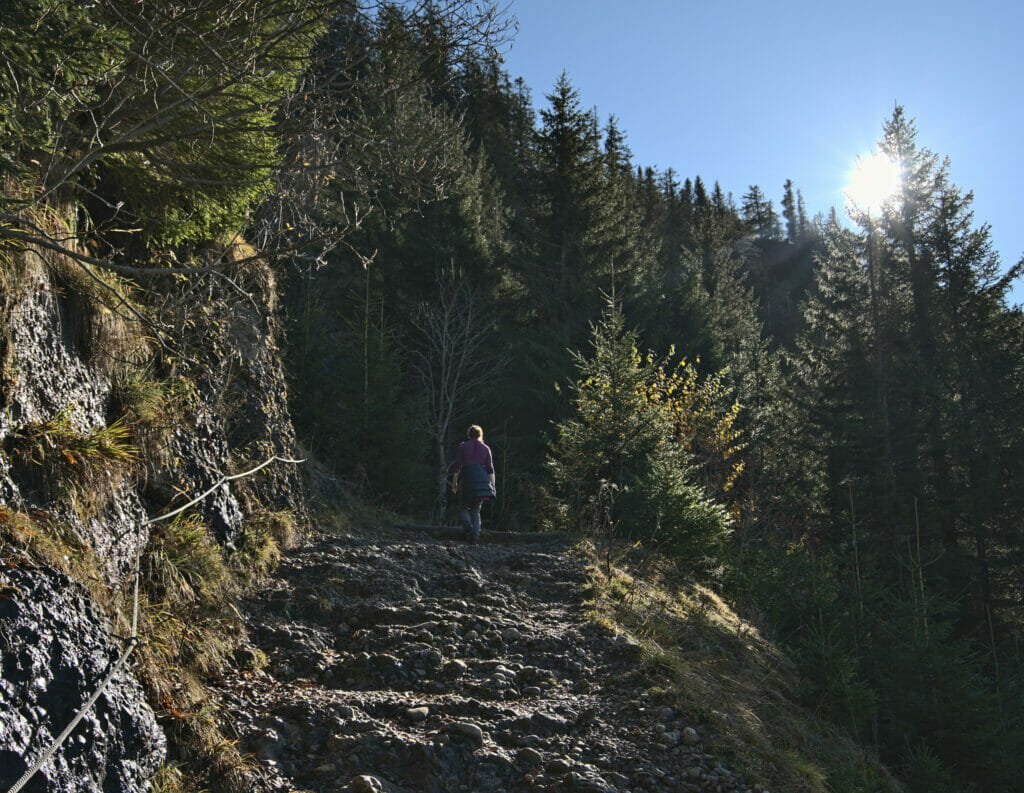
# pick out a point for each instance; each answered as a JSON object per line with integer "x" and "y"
{"x": 223, "y": 480}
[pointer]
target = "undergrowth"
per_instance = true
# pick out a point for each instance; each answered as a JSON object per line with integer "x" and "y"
{"x": 194, "y": 628}
{"x": 706, "y": 662}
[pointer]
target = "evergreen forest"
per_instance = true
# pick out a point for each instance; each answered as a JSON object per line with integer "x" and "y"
{"x": 821, "y": 418}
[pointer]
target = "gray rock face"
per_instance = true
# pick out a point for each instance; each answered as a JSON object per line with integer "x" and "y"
{"x": 242, "y": 384}
{"x": 48, "y": 376}
{"x": 199, "y": 451}
{"x": 55, "y": 648}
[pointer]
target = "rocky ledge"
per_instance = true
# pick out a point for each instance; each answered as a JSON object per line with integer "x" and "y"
{"x": 399, "y": 662}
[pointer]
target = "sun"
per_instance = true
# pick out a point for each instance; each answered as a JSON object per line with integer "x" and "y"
{"x": 874, "y": 180}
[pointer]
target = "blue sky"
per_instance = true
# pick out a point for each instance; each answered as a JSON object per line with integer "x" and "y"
{"x": 749, "y": 92}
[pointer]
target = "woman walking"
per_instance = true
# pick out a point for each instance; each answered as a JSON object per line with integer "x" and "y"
{"x": 473, "y": 480}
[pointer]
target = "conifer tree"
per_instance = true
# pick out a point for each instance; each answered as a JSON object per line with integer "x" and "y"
{"x": 628, "y": 252}
{"x": 903, "y": 356}
{"x": 624, "y": 459}
{"x": 789, "y": 213}
{"x": 802, "y": 224}
{"x": 759, "y": 215}
{"x": 571, "y": 219}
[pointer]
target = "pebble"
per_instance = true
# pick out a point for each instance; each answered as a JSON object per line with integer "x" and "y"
{"x": 417, "y": 714}
{"x": 690, "y": 736}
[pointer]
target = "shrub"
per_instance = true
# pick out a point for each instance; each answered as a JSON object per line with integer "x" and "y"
{"x": 664, "y": 504}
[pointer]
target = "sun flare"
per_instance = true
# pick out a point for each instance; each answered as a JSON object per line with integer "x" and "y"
{"x": 874, "y": 180}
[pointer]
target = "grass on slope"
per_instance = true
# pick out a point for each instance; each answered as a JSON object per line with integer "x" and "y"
{"x": 719, "y": 670}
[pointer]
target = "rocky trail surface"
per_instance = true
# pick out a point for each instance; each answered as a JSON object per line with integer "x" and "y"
{"x": 402, "y": 662}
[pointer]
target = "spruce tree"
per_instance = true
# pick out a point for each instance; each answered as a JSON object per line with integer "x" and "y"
{"x": 623, "y": 462}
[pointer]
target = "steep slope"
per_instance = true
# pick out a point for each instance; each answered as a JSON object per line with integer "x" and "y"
{"x": 402, "y": 662}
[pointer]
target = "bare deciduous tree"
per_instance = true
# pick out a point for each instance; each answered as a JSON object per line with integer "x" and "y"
{"x": 453, "y": 363}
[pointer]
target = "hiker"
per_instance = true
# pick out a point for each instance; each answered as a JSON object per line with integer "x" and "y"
{"x": 473, "y": 479}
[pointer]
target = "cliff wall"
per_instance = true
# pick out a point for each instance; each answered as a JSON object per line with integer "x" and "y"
{"x": 106, "y": 421}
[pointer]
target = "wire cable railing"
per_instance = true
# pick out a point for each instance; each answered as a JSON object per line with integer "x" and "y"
{"x": 133, "y": 639}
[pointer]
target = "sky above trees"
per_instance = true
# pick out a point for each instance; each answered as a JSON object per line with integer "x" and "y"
{"x": 756, "y": 93}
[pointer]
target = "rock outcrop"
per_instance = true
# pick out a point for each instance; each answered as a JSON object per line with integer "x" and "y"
{"x": 62, "y": 350}
{"x": 56, "y": 647}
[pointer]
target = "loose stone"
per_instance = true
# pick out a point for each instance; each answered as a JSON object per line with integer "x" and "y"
{"x": 468, "y": 730}
{"x": 529, "y": 757}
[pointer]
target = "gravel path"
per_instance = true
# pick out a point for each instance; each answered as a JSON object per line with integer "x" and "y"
{"x": 402, "y": 662}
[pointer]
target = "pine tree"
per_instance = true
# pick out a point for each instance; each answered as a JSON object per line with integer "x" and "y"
{"x": 789, "y": 213}
{"x": 624, "y": 458}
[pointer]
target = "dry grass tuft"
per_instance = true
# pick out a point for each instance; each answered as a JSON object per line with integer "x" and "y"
{"x": 168, "y": 779}
{"x": 38, "y": 538}
{"x": 255, "y": 271}
{"x": 81, "y": 468}
{"x": 265, "y": 536}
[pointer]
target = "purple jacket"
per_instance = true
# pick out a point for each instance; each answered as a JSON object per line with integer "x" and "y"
{"x": 473, "y": 452}
{"x": 473, "y": 463}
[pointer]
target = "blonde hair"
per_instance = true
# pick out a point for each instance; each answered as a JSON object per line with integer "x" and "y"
{"x": 474, "y": 431}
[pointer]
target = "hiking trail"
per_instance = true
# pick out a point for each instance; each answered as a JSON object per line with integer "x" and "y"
{"x": 401, "y": 662}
